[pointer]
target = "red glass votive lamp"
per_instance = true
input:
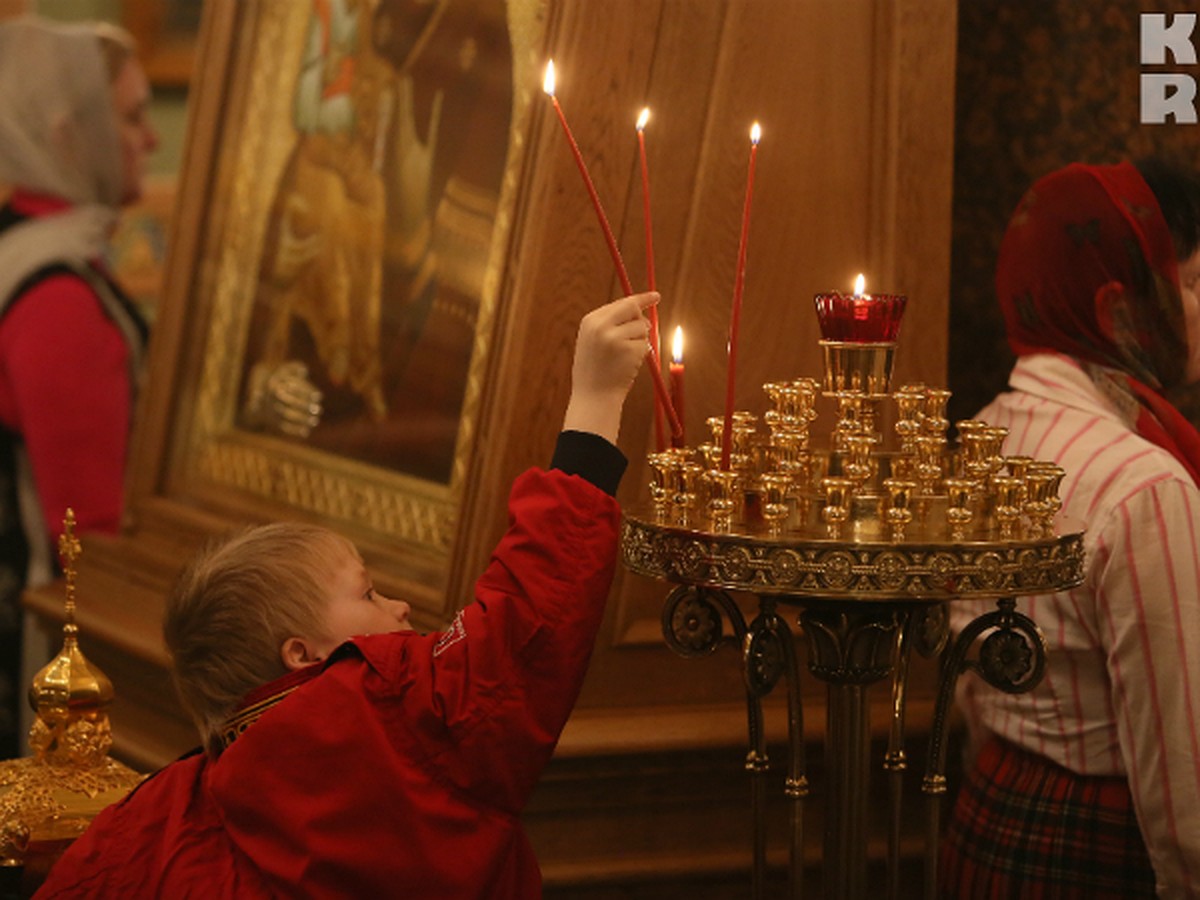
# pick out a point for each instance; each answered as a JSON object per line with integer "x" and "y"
{"x": 860, "y": 318}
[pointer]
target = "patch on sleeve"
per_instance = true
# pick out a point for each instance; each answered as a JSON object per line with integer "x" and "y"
{"x": 455, "y": 633}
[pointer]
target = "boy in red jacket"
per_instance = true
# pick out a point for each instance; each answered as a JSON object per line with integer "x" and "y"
{"x": 345, "y": 754}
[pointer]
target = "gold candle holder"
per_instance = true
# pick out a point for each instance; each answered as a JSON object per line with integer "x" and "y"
{"x": 859, "y": 467}
{"x": 899, "y": 511}
{"x": 871, "y": 569}
{"x": 934, "y": 420}
{"x": 862, "y": 488}
{"x": 865, "y": 368}
{"x": 710, "y": 455}
{"x": 975, "y": 465}
{"x": 993, "y": 445}
{"x": 687, "y": 491}
{"x": 1042, "y": 502}
{"x": 851, "y": 418}
{"x": 910, "y": 403}
{"x": 959, "y": 491}
{"x": 1018, "y": 466}
{"x": 724, "y": 498}
{"x": 716, "y": 426}
{"x": 838, "y": 493}
{"x": 1008, "y": 503}
{"x": 663, "y": 468}
{"x": 776, "y": 508}
{"x": 929, "y": 462}
{"x": 745, "y": 441}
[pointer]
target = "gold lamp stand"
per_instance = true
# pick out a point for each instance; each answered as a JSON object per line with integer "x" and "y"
{"x": 864, "y": 543}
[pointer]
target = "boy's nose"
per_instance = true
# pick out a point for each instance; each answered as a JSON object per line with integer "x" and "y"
{"x": 401, "y": 610}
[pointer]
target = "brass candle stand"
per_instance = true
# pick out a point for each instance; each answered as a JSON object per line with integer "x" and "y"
{"x": 867, "y": 540}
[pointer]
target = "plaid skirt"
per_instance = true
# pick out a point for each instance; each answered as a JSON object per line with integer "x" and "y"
{"x": 1026, "y": 827}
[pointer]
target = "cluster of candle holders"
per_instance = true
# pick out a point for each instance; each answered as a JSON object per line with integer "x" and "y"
{"x": 868, "y": 539}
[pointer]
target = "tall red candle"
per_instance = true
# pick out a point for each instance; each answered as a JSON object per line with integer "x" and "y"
{"x": 660, "y": 387}
{"x": 736, "y": 315}
{"x": 655, "y": 346}
{"x": 677, "y": 381}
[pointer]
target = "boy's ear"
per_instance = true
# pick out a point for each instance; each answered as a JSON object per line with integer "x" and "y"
{"x": 297, "y": 652}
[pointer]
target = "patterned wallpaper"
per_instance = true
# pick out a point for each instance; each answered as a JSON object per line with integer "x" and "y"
{"x": 1041, "y": 83}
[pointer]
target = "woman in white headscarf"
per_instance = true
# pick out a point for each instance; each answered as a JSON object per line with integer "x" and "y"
{"x": 74, "y": 138}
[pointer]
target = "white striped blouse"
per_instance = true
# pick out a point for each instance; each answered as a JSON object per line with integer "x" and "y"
{"x": 1121, "y": 695}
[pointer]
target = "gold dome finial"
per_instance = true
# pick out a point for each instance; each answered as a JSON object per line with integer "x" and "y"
{"x": 53, "y": 795}
{"x": 70, "y": 695}
{"x": 69, "y": 550}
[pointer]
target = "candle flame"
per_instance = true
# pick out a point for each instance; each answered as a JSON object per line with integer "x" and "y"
{"x": 755, "y": 133}
{"x": 548, "y": 82}
{"x": 860, "y": 284}
{"x": 677, "y": 345}
{"x": 643, "y": 118}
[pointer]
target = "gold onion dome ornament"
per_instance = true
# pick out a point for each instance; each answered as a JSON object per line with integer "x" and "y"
{"x": 48, "y": 799}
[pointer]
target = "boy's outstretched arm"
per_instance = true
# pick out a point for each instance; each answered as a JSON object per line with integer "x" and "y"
{"x": 611, "y": 345}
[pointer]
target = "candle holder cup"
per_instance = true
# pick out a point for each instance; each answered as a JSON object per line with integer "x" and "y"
{"x": 664, "y": 467}
{"x": 838, "y": 493}
{"x": 899, "y": 510}
{"x": 687, "y": 491}
{"x": 776, "y": 488}
{"x": 1008, "y": 491}
{"x": 958, "y": 506}
{"x": 725, "y": 500}
{"x": 860, "y": 318}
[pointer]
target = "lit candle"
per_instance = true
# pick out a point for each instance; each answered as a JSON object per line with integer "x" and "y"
{"x": 677, "y": 380}
{"x": 614, "y": 251}
{"x": 861, "y": 317}
{"x": 660, "y": 387}
{"x": 735, "y": 316}
{"x": 656, "y": 356}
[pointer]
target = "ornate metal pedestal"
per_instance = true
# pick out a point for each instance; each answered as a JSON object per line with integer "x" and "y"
{"x": 868, "y": 541}
{"x": 863, "y": 602}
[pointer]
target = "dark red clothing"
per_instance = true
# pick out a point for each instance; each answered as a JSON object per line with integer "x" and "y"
{"x": 1087, "y": 268}
{"x": 66, "y": 389}
{"x": 399, "y": 768}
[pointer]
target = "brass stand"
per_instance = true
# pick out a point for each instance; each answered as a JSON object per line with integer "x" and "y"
{"x": 869, "y": 544}
{"x": 862, "y": 607}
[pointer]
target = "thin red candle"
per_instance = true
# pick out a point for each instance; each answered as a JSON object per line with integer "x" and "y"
{"x": 615, "y": 252}
{"x": 736, "y": 315}
{"x": 677, "y": 381}
{"x": 660, "y": 387}
{"x": 655, "y": 345}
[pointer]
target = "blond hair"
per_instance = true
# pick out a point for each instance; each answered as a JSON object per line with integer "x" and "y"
{"x": 233, "y": 607}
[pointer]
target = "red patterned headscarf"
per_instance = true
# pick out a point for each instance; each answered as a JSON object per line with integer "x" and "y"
{"x": 1087, "y": 268}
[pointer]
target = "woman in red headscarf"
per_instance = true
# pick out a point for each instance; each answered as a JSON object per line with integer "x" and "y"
{"x": 1089, "y": 784}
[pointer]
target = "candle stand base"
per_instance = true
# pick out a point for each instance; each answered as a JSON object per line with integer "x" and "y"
{"x": 863, "y": 545}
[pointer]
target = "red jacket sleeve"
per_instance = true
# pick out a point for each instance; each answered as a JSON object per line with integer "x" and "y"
{"x": 64, "y": 387}
{"x": 498, "y": 686}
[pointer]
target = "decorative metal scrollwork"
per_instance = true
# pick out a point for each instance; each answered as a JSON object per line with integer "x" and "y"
{"x": 691, "y": 619}
{"x": 1005, "y": 660}
{"x": 1012, "y": 658}
{"x": 864, "y": 571}
{"x": 765, "y": 656}
{"x": 931, "y": 629}
{"x": 853, "y": 647}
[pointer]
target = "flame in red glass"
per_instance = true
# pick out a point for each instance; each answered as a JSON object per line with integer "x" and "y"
{"x": 860, "y": 318}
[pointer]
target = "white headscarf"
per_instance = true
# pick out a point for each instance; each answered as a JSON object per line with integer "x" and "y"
{"x": 58, "y": 136}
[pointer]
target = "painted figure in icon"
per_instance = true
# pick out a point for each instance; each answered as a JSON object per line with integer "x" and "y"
{"x": 380, "y": 230}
